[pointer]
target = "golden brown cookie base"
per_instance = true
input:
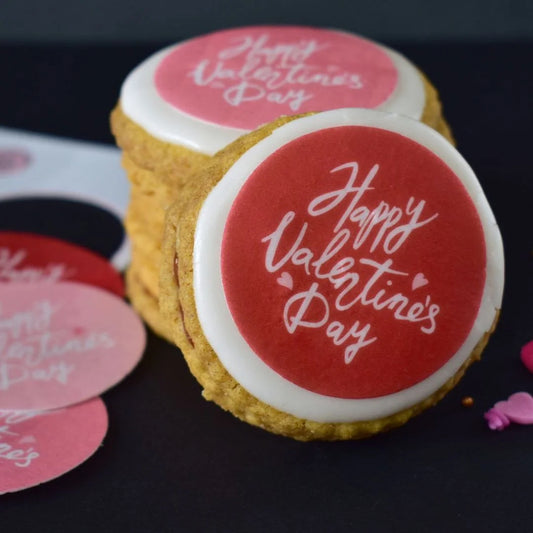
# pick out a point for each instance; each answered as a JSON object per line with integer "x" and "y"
{"x": 172, "y": 163}
{"x": 145, "y": 245}
{"x": 145, "y": 304}
{"x": 145, "y": 273}
{"x": 162, "y": 173}
{"x": 177, "y": 304}
{"x": 144, "y": 224}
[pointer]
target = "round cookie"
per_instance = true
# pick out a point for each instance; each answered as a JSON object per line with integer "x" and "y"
{"x": 188, "y": 101}
{"x": 332, "y": 276}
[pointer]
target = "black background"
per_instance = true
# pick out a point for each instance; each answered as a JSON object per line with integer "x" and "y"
{"x": 173, "y": 462}
{"x": 165, "y": 20}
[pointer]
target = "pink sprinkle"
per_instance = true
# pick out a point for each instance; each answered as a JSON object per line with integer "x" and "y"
{"x": 496, "y": 419}
{"x": 526, "y": 354}
{"x": 518, "y": 408}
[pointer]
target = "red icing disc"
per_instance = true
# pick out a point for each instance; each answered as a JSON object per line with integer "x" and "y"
{"x": 370, "y": 259}
{"x": 27, "y": 257}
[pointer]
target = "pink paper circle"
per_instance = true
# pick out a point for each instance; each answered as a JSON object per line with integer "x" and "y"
{"x": 40, "y": 446}
{"x": 245, "y": 77}
{"x": 63, "y": 343}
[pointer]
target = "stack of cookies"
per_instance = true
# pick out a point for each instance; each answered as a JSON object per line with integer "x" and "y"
{"x": 156, "y": 174}
{"x": 187, "y": 102}
{"x": 324, "y": 259}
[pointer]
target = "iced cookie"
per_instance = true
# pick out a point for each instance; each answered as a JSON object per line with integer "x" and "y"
{"x": 332, "y": 276}
{"x": 188, "y": 101}
{"x": 192, "y": 99}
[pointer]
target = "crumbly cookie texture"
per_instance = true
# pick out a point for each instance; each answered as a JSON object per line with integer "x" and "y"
{"x": 177, "y": 305}
{"x": 172, "y": 163}
{"x": 432, "y": 114}
{"x": 144, "y": 223}
{"x": 144, "y": 302}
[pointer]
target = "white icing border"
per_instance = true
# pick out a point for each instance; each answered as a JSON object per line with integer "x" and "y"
{"x": 216, "y": 319}
{"x": 141, "y": 102}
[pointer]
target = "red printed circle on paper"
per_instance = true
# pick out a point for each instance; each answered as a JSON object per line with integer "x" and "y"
{"x": 245, "y": 77}
{"x": 369, "y": 257}
{"x": 40, "y": 446}
{"x": 27, "y": 257}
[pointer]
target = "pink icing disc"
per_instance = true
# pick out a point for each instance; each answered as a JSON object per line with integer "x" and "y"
{"x": 245, "y": 77}
{"x": 63, "y": 343}
{"x": 40, "y": 446}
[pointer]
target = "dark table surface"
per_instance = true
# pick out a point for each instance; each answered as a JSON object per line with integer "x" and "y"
{"x": 173, "y": 462}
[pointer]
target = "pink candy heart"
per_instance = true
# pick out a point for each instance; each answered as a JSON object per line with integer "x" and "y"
{"x": 526, "y": 354}
{"x": 496, "y": 420}
{"x": 517, "y": 408}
